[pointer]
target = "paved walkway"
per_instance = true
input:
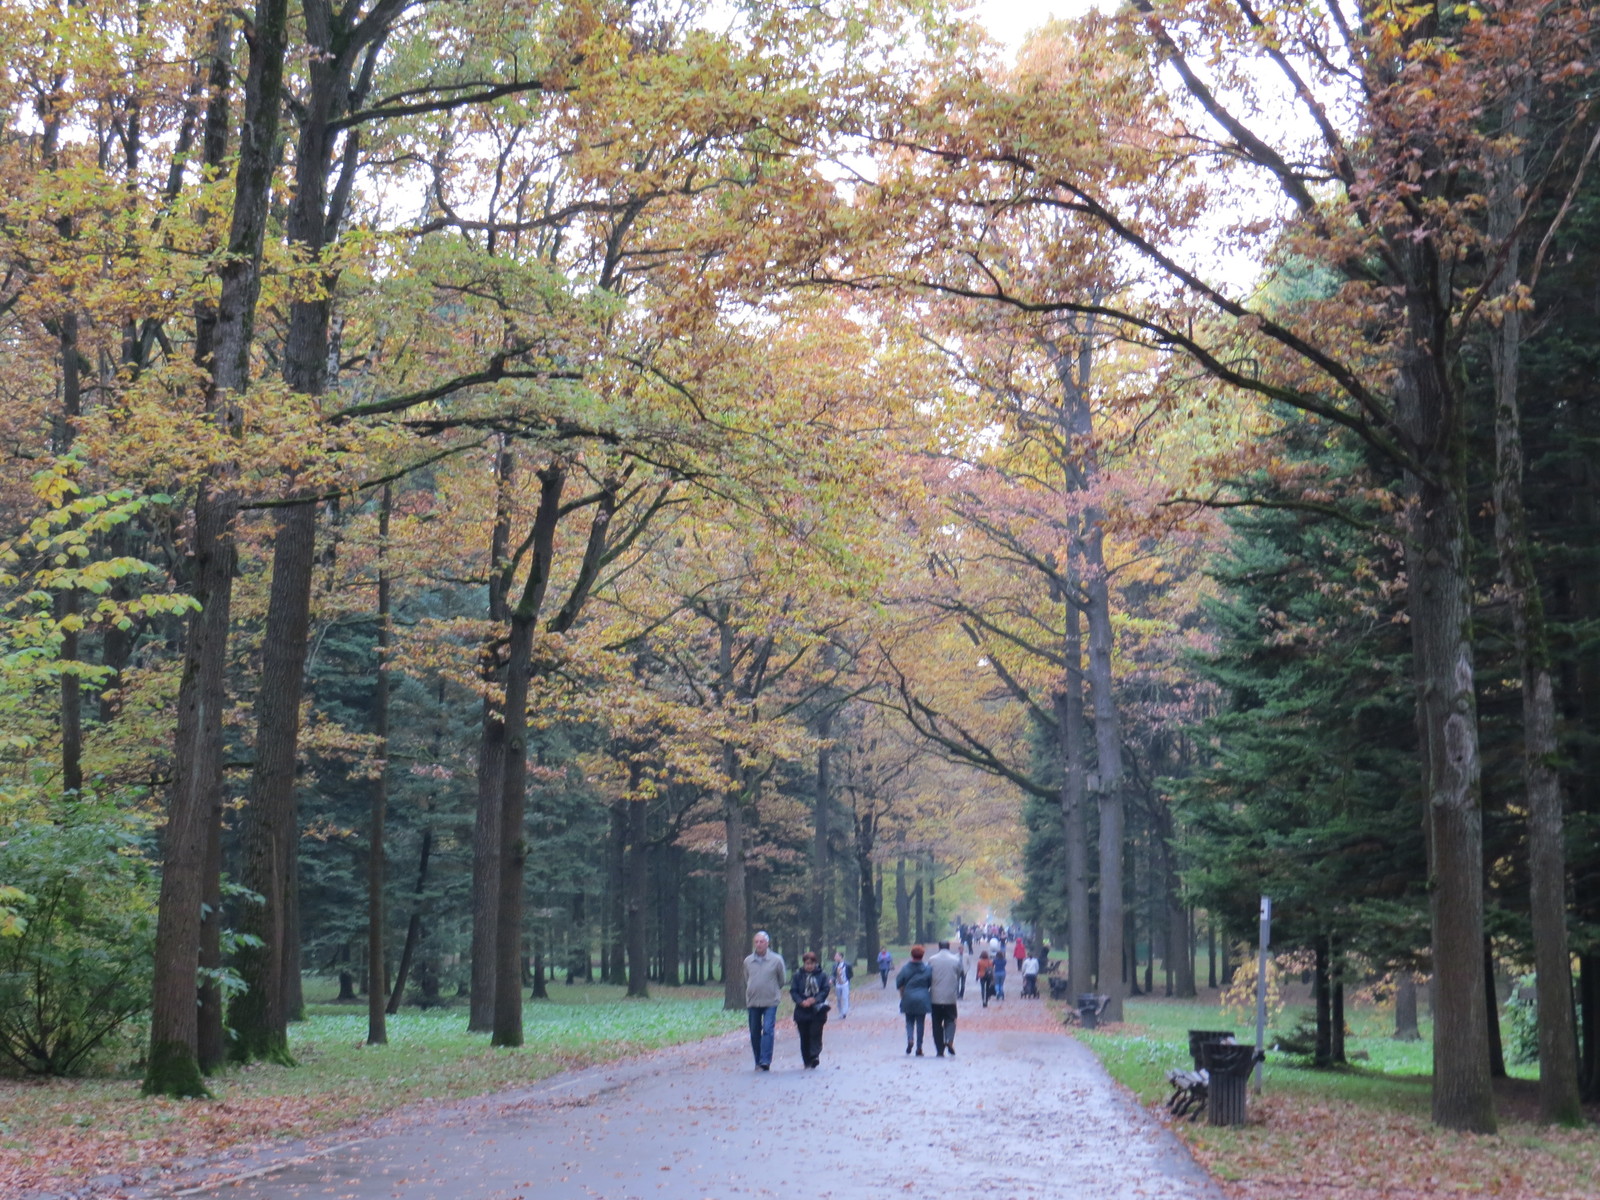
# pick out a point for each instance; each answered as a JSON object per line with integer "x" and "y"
{"x": 1022, "y": 1112}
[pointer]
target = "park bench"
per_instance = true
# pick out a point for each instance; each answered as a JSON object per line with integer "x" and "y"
{"x": 1087, "y": 1013}
{"x": 1189, "y": 1092}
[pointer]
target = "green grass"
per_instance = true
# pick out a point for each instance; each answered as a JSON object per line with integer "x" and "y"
{"x": 339, "y": 1079}
{"x": 1155, "y": 1037}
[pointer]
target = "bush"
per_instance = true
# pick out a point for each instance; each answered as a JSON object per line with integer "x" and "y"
{"x": 1522, "y": 1015}
{"x": 76, "y": 968}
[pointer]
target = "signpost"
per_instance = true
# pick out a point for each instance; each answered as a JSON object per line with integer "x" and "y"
{"x": 1261, "y": 986}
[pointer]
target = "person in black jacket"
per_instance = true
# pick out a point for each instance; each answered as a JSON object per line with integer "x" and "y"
{"x": 809, "y": 991}
{"x": 916, "y": 1002}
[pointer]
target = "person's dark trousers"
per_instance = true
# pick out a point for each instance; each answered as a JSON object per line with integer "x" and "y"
{"x": 961, "y": 986}
{"x": 762, "y": 1023}
{"x": 944, "y": 1028}
{"x": 884, "y": 975}
{"x": 810, "y": 1039}
{"x": 915, "y": 1025}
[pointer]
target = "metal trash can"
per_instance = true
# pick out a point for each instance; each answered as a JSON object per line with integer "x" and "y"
{"x": 1228, "y": 1066}
{"x": 1199, "y": 1036}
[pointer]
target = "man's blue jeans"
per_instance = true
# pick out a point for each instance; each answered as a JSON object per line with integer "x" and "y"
{"x": 762, "y": 1023}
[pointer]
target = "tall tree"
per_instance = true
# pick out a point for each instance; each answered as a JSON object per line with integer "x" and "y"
{"x": 222, "y": 344}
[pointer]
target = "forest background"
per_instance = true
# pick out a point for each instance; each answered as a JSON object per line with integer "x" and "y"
{"x": 532, "y": 491}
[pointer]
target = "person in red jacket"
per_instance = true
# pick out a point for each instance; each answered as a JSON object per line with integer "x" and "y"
{"x": 1019, "y": 952}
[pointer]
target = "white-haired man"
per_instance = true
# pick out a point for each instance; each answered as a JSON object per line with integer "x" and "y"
{"x": 764, "y": 979}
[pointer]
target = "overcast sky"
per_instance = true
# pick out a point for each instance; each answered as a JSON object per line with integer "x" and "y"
{"x": 1010, "y": 20}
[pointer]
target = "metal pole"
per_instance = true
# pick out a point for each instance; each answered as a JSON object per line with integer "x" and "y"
{"x": 1265, "y": 938}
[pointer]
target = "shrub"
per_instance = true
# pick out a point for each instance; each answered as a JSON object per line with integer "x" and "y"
{"x": 1522, "y": 1015}
{"x": 77, "y": 968}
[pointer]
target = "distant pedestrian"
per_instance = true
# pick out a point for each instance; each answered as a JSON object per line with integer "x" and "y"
{"x": 1000, "y": 977}
{"x": 842, "y": 971}
{"x": 809, "y": 991}
{"x": 915, "y": 1001}
{"x": 962, "y": 954}
{"x": 943, "y": 991}
{"x": 764, "y": 977}
{"x": 985, "y": 973}
{"x": 885, "y": 965}
{"x": 1030, "y": 977}
{"x": 1019, "y": 951}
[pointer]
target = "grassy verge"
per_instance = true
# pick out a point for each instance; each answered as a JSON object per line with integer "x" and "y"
{"x": 60, "y": 1133}
{"x": 1358, "y": 1132}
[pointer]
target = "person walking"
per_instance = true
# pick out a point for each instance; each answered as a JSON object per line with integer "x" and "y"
{"x": 1030, "y": 977}
{"x": 1019, "y": 951}
{"x": 915, "y": 1002}
{"x": 885, "y": 965}
{"x": 985, "y": 973}
{"x": 1000, "y": 977}
{"x": 961, "y": 954}
{"x": 809, "y": 991}
{"x": 842, "y": 971}
{"x": 764, "y": 977}
{"x": 944, "y": 970}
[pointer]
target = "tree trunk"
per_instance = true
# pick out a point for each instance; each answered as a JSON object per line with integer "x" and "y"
{"x": 408, "y": 953}
{"x": 513, "y": 792}
{"x": 902, "y": 904}
{"x": 1547, "y": 866}
{"x": 222, "y": 343}
{"x": 613, "y": 947}
{"x": 1322, "y": 1055}
{"x": 491, "y": 760}
{"x": 1497, "y": 1053}
{"x": 1440, "y": 611}
{"x": 67, "y": 603}
{"x": 638, "y": 894}
{"x": 1405, "y": 1009}
{"x": 1108, "y": 748}
{"x": 821, "y": 875}
{"x": 260, "y": 1025}
{"x": 1589, "y": 1007}
{"x": 870, "y": 932}
{"x": 672, "y": 916}
{"x": 734, "y": 918}
{"x": 1337, "y": 1024}
{"x": 377, "y": 1026}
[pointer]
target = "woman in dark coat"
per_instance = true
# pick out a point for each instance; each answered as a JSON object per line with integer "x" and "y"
{"x": 809, "y": 991}
{"x": 916, "y": 1001}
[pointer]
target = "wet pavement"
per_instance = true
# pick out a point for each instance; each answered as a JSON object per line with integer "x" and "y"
{"x": 1023, "y": 1111}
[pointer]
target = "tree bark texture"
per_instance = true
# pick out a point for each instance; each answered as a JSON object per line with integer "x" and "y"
{"x": 223, "y": 336}
{"x": 414, "y": 930}
{"x": 638, "y": 892}
{"x": 513, "y": 793}
{"x": 377, "y": 1024}
{"x": 1075, "y": 810}
{"x": 271, "y": 822}
{"x": 1440, "y": 610}
{"x": 1559, "y": 1100}
{"x": 260, "y": 1016}
{"x": 491, "y": 757}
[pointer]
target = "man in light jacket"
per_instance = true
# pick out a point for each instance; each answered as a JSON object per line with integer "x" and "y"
{"x": 765, "y": 978}
{"x": 944, "y": 990}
